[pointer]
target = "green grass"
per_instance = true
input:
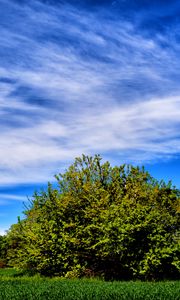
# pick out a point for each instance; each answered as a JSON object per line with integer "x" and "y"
{"x": 10, "y": 272}
{"x": 15, "y": 286}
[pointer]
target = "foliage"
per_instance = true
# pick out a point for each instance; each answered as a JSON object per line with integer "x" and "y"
{"x": 113, "y": 222}
{"x": 3, "y": 251}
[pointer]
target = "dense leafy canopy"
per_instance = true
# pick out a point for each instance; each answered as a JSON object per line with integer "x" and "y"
{"x": 3, "y": 251}
{"x": 114, "y": 222}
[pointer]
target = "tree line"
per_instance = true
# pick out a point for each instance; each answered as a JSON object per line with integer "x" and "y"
{"x": 99, "y": 220}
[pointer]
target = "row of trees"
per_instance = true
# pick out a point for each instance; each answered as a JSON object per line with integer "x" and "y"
{"x": 114, "y": 222}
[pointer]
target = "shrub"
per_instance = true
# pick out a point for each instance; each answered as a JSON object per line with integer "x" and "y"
{"x": 118, "y": 222}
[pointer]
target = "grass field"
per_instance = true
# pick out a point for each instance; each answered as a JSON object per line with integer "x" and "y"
{"x": 16, "y": 286}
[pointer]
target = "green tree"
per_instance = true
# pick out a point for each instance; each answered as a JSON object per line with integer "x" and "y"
{"x": 115, "y": 222}
{"x": 3, "y": 251}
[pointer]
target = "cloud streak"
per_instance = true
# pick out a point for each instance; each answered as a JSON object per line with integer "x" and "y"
{"x": 12, "y": 197}
{"x": 73, "y": 81}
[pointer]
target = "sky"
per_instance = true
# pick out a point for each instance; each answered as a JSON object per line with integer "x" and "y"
{"x": 92, "y": 77}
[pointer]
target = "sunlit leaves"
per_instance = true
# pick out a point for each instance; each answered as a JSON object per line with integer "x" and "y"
{"x": 114, "y": 222}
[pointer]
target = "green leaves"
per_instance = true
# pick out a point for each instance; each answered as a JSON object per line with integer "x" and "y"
{"x": 115, "y": 222}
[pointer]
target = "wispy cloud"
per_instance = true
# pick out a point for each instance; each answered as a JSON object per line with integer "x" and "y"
{"x": 2, "y": 231}
{"x": 12, "y": 197}
{"x": 73, "y": 81}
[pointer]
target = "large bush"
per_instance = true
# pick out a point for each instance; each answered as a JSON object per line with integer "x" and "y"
{"x": 3, "y": 251}
{"x": 114, "y": 222}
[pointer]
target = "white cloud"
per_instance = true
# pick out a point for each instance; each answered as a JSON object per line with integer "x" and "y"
{"x": 101, "y": 87}
{"x": 2, "y": 231}
{"x": 135, "y": 127}
{"x": 12, "y": 197}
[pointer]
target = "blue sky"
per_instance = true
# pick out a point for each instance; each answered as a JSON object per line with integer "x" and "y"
{"x": 86, "y": 77}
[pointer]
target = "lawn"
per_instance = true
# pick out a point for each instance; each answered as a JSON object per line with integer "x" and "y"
{"x": 16, "y": 286}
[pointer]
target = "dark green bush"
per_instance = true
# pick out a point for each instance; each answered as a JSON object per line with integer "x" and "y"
{"x": 112, "y": 222}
